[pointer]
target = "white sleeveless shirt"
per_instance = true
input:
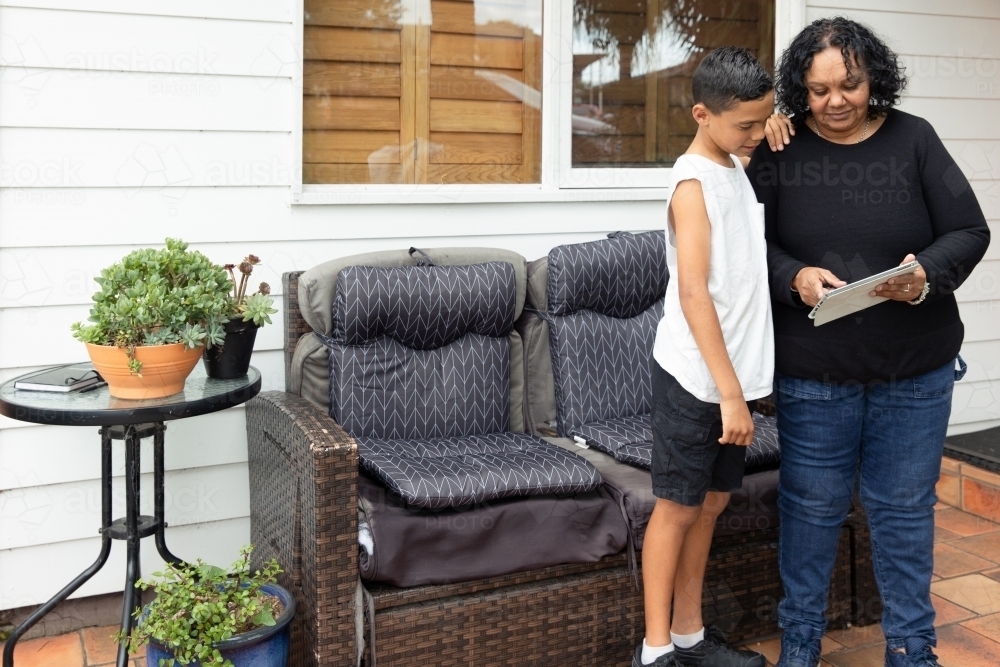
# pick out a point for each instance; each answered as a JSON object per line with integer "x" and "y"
{"x": 737, "y": 283}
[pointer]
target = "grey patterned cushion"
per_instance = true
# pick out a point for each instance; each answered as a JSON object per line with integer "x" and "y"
{"x": 605, "y": 300}
{"x": 629, "y": 440}
{"x": 448, "y": 472}
{"x": 420, "y": 376}
{"x": 620, "y": 277}
{"x": 601, "y": 365}
{"x": 423, "y": 307}
{"x": 384, "y": 389}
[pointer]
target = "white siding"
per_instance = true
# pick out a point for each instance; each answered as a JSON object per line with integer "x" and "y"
{"x": 952, "y": 53}
{"x": 125, "y": 121}
{"x": 121, "y": 123}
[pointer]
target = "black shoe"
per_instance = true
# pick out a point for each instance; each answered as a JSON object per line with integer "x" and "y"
{"x": 713, "y": 651}
{"x": 665, "y": 660}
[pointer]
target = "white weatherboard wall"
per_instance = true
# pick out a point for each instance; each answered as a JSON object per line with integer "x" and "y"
{"x": 123, "y": 122}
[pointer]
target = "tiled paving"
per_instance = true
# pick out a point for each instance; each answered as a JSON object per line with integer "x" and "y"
{"x": 91, "y": 647}
{"x": 966, "y": 593}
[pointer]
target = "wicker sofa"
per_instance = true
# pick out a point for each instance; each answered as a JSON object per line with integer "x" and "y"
{"x": 304, "y": 481}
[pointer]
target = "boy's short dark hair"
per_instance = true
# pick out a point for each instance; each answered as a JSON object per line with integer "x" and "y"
{"x": 727, "y": 76}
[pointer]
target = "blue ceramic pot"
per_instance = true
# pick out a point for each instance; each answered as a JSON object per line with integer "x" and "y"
{"x": 266, "y": 646}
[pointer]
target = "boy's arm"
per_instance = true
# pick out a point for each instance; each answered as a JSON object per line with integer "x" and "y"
{"x": 693, "y": 232}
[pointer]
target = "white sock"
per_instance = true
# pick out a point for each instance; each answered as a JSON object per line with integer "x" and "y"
{"x": 687, "y": 641}
{"x": 651, "y": 653}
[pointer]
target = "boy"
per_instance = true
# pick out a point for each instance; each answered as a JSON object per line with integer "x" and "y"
{"x": 714, "y": 355}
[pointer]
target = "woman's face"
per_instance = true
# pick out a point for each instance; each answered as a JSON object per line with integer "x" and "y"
{"x": 838, "y": 102}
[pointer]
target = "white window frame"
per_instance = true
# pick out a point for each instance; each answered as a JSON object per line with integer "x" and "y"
{"x": 560, "y": 181}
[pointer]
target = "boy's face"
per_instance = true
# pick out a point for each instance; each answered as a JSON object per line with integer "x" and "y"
{"x": 739, "y": 129}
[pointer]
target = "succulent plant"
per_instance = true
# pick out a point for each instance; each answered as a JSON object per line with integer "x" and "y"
{"x": 256, "y": 307}
{"x": 158, "y": 296}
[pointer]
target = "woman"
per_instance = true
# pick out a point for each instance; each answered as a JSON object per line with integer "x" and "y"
{"x": 861, "y": 188}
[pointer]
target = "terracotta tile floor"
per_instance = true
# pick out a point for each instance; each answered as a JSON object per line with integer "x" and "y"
{"x": 966, "y": 595}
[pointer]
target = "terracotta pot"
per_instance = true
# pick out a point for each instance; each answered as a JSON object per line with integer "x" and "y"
{"x": 164, "y": 369}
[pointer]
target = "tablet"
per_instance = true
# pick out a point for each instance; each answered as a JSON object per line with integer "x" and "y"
{"x": 854, "y": 297}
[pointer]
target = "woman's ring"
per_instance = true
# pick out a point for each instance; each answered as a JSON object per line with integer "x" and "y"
{"x": 907, "y": 287}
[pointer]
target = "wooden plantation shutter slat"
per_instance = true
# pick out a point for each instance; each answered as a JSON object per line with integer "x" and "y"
{"x": 475, "y": 173}
{"x": 475, "y": 116}
{"x": 476, "y": 83}
{"x": 354, "y": 13}
{"x": 349, "y": 44}
{"x": 475, "y": 148}
{"x": 351, "y": 113}
{"x": 354, "y": 79}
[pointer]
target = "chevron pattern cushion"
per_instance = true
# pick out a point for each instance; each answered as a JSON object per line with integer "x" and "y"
{"x": 601, "y": 365}
{"x": 384, "y": 389}
{"x": 449, "y": 472}
{"x": 423, "y": 307}
{"x": 420, "y": 376}
{"x": 630, "y": 440}
{"x": 620, "y": 277}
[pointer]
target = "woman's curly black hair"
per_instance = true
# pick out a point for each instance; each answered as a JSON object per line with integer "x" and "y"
{"x": 859, "y": 45}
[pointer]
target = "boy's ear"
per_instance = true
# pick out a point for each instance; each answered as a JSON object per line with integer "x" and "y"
{"x": 701, "y": 113}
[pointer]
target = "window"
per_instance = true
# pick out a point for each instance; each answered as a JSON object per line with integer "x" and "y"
{"x": 632, "y": 65}
{"x": 422, "y": 91}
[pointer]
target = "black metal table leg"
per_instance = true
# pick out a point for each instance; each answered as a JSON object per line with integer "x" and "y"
{"x": 131, "y": 528}
{"x": 132, "y": 537}
{"x": 102, "y": 558}
{"x": 161, "y": 523}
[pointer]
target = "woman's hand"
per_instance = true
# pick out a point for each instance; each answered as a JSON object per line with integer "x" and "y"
{"x": 737, "y": 424}
{"x": 813, "y": 282}
{"x": 779, "y": 131}
{"x": 906, "y": 287}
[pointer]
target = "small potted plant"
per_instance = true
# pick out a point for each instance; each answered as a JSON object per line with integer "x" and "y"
{"x": 204, "y": 616}
{"x": 157, "y": 309}
{"x": 246, "y": 314}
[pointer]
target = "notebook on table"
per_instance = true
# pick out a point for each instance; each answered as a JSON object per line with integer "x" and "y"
{"x": 74, "y": 377}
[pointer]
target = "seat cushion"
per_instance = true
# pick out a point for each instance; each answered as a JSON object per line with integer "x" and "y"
{"x": 457, "y": 471}
{"x": 630, "y": 440}
{"x": 416, "y": 547}
{"x": 753, "y": 507}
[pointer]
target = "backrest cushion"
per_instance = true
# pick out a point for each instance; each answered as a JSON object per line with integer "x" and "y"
{"x": 423, "y": 307}
{"x": 601, "y": 365}
{"x": 318, "y": 285}
{"x": 422, "y": 352}
{"x": 605, "y": 301}
{"x": 619, "y": 277}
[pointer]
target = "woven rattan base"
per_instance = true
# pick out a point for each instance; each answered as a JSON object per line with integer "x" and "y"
{"x": 581, "y": 618}
{"x": 303, "y": 481}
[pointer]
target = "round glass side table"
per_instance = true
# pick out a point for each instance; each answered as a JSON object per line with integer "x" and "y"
{"x": 131, "y": 421}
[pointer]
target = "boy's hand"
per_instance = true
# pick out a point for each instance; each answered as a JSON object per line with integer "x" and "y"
{"x": 737, "y": 424}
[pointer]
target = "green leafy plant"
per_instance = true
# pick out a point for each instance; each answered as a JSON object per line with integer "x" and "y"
{"x": 158, "y": 296}
{"x": 198, "y": 605}
{"x": 256, "y": 307}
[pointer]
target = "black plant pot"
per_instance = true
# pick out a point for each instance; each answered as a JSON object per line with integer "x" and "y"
{"x": 232, "y": 360}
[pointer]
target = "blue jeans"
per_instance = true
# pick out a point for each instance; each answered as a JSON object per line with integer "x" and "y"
{"x": 894, "y": 433}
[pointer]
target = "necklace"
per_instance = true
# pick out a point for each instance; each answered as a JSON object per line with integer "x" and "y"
{"x": 860, "y": 139}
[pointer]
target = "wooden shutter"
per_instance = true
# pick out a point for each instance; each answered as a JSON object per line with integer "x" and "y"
{"x": 650, "y": 114}
{"x": 454, "y": 101}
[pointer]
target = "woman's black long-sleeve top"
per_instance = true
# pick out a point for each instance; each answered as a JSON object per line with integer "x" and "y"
{"x": 857, "y": 210}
